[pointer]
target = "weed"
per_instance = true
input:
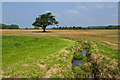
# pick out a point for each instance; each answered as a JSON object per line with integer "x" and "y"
{"x": 78, "y": 56}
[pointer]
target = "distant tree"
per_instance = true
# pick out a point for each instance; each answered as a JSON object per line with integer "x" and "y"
{"x": 79, "y": 27}
{"x": 0, "y": 26}
{"x": 53, "y": 28}
{"x": 70, "y": 27}
{"x": 36, "y": 27}
{"x": 60, "y": 27}
{"x": 26, "y": 28}
{"x": 12, "y": 26}
{"x": 44, "y": 20}
{"x": 73, "y": 27}
{"x": 66, "y": 27}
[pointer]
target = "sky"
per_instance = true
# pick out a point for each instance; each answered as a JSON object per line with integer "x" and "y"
{"x": 60, "y": 0}
{"x": 66, "y": 13}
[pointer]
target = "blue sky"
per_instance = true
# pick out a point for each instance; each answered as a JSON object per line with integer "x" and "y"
{"x": 60, "y": 0}
{"x": 67, "y": 13}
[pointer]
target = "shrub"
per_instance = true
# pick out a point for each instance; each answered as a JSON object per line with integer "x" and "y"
{"x": 78, "y": 70}
{"x": 91, "y": 48}
{"x": 81, "y": 49}
{"x": 88, "y": 54}
{"x": 78, "y": 56}
{"x": 85, "y": 46}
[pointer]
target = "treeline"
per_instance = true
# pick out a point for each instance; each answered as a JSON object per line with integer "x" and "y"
{"x": 74, "y": 28}
{"x": 89, "y": 27}
{"x": 12, "y": 26}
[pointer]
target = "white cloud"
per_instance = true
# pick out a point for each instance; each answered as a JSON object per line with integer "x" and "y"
{"x": 47, "y": 11}
{"x": 72, "y": 11}
{"x": 81, "y": 7}
{"x": 99, "y": 6}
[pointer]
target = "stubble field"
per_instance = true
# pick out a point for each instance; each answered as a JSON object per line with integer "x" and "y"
{"x": 106, "y": 37}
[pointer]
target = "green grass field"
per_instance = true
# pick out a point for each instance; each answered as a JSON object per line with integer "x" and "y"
{"x": 23, "y": 48}
{"x": 49, "y": 55}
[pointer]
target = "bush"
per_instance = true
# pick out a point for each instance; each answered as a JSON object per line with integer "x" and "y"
{"x": 80, "y": 49}
{"x": 78, "y": 70}
{"x": 78, "y": 56}
{"x": 89, "y": 53}
{"x": 85, "y": 46}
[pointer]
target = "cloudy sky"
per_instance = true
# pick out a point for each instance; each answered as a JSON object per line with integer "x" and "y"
{"x": 67, "y": 13}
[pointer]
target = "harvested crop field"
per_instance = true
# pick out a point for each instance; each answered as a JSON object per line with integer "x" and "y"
{"x": 106, "y": 37}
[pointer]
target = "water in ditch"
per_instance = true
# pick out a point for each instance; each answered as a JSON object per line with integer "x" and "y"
{"x": 76, "y": 63}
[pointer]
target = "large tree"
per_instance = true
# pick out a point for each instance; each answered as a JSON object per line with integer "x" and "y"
{"x": 45, "y": 20}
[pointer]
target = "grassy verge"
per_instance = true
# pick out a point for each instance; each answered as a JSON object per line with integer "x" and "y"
{"x": 22, "y": 56}
{"x": 45, "y": 57}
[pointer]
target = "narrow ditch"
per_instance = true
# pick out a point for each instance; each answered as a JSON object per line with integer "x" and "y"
{"x": 76, "y": 62}
{"x": 85, "y": 65}
{"x": 83, "y": 56}
{"x": 79, "y": 54}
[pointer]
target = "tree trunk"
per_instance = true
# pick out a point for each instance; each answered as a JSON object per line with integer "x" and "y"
{"x": 44, "y": 29}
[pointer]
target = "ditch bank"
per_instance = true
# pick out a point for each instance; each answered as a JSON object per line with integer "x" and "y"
{"x": 83, "y": 63}
{"x": 79, "y": 59}
{"x": 88, "y": 62}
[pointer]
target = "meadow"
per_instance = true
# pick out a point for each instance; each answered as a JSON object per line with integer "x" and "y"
{"x": 14, "y": 47}
{"x": 106, "y": 37}
{"x": 32, "y": 53}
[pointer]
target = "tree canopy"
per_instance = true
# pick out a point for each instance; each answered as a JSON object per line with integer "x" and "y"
{"x": 12, "y": 26}
{"x": 45, "y": 20}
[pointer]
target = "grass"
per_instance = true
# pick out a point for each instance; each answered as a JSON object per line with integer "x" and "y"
{"x": 78, "y": 56}
{"x": 23, "y": 48}
{"x": 106, "y": 37}
{"x": 111, "y": 53}
{"x": 33, "y": 63}
{"x": 101, "y": 61}
{"x": 30, "y": 53}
